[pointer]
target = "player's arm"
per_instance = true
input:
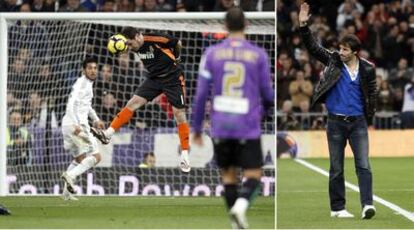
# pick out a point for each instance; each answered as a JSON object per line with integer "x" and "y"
{"x": 319, "y": 52}
{"x": 266, "y": 84}
{"x": 95, "y": 119}
{"x": 203, "y": 85}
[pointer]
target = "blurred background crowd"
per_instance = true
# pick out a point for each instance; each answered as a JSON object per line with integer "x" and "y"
{"x": 132, "y": 5}
{"x": 386, "y": 30}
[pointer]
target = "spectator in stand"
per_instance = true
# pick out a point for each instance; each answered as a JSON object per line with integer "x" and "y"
{"x": 385, "y": 99}
{"x": 125, "y": 6}
{"x": 108, "y": 108}
{"x": 288, "y": 121}
{"x": 18, "y": 141}
{"x": 285, "y": 75}
{"x": 73, "y": 6}
{"x": 344, "y": 14}
{"x": 107, "y": 6}
{"x": 257, "y": 5}
{"x": 393, "y": 43}
{"x": 407, "y": 115}
{"x": 13, "y": 104}
{"x": 223, "y": 5}
{"x": 25, "y": 8}
{"x": 43, "y": 6}
{"x": 305, "y": 118}
{"x": 401, "y": 75}
{"x": 164, "y": 6}
{"x": 151, "y": 6}
{"x": 9, "y": 6}
{"x": 105, "y": 84}
{"x": 300, "y": 90}
{"x": 149, "y": 160}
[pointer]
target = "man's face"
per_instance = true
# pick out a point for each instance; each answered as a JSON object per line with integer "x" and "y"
{"x": 346, "y": 53}
{"x": 137, "y": 42}
{"x": 15, "y": 120}
{"x": 150, "y": 161}
{"x": 91, "y": 71}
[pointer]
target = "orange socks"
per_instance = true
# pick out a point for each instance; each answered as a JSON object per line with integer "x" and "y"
{"x": 122, "y": 118}
{"x": 184, "y": 133}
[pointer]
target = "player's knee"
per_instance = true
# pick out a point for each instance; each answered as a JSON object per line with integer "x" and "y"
{"x": 253, "y": 173}
{"x": 179, "y": 115}
{"x": 136, "y": 102}
{"x": 80, "y": 158}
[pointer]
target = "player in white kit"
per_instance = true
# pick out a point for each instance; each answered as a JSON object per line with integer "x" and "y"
{"x": 75, "y": 128}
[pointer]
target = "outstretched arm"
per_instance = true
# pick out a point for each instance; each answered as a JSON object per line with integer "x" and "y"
{"x": 319, "y": 52}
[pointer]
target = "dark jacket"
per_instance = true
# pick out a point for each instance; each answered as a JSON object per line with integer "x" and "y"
{"x": 332, "y": 73}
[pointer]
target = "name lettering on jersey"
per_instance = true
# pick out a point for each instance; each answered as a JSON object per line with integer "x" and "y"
{"x": 236, "y": 55}
{"x": 147, "y": 55}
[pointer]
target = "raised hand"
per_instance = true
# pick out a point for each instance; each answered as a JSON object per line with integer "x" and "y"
{"x": 304, "y": 14}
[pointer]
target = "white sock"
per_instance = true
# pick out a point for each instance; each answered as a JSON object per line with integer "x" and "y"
{"x": 72, "y": 165}
{"x": 109, "y": 132}
{"x": 86, "y": 164}
{"x": 241, "y": 204}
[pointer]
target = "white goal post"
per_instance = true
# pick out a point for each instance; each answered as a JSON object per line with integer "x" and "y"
{"x": 262, "y": 24}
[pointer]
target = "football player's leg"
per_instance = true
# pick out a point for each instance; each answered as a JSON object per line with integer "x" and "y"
{"x": 175, "y": 92}
{"x": 88, "y": 158}
{"x": 147, "y": 91}
{"x": 251, "y": 160}
{"x": 86, "y": 163}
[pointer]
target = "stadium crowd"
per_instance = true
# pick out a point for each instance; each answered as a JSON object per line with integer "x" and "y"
{"x": 132, "y": 5}
{"x": 386, "y": 30}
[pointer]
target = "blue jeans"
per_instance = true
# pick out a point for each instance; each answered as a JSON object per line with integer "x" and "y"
{"x": 356, "y": 132}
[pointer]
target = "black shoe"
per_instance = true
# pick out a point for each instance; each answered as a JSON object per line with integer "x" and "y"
{"x": 100, "y": 135}
{"x": 4, "y": 211}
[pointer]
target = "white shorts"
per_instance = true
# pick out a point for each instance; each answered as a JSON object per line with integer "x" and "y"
{"x": 85, "y": 143}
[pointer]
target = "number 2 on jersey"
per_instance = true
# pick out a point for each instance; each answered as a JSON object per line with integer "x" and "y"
{"x": 233, "y": 79}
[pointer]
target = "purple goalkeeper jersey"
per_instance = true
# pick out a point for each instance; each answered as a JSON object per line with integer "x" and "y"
{"x": 238, "y": 75}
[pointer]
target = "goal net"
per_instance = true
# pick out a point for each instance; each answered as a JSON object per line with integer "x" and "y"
{"x": 44, "y": 56}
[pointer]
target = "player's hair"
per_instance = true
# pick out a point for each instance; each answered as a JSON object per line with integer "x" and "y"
{"x": 235, "y": 20}
{"x": 352, "y": 41}
{"x": 130, "y": 32}
{"x": 87, "y": 61}
{"x": 149, "y": 154}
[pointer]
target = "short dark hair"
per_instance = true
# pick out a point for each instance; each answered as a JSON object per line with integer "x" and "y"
{"x": 148, "y": 154}
{"x": 235, "y": 19}
{"x": 352, "y": 41}
{"x": 129, "y": 32}
{"x": 87, "y": 61}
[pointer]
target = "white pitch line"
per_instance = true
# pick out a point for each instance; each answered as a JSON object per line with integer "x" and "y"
{"x": 378, "y": 199}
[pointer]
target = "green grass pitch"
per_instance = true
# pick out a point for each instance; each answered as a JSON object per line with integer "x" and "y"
{"x": 303, "y": 202}
{"x": 130, "y": 212}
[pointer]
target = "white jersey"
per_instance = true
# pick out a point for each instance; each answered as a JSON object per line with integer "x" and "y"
{"x": 79, "y": 105}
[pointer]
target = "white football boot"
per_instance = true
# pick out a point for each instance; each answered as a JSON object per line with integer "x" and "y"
{"x": 69, "y": 181}
{"x": 67, "y": 195}
{"x": 238, "y": 213}
{"x": 185, "y": 162}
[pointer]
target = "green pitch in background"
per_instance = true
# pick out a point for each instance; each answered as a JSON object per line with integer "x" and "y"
{"x": 130, "y": 212}
{"x": 303, "y": 200}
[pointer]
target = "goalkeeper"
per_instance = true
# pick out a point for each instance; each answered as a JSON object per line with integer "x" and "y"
{"x": 75, "y": 128}
{"x": 159, "y": 53}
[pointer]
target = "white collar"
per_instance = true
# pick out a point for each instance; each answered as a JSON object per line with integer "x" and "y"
{"x": 353, "y": 74}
